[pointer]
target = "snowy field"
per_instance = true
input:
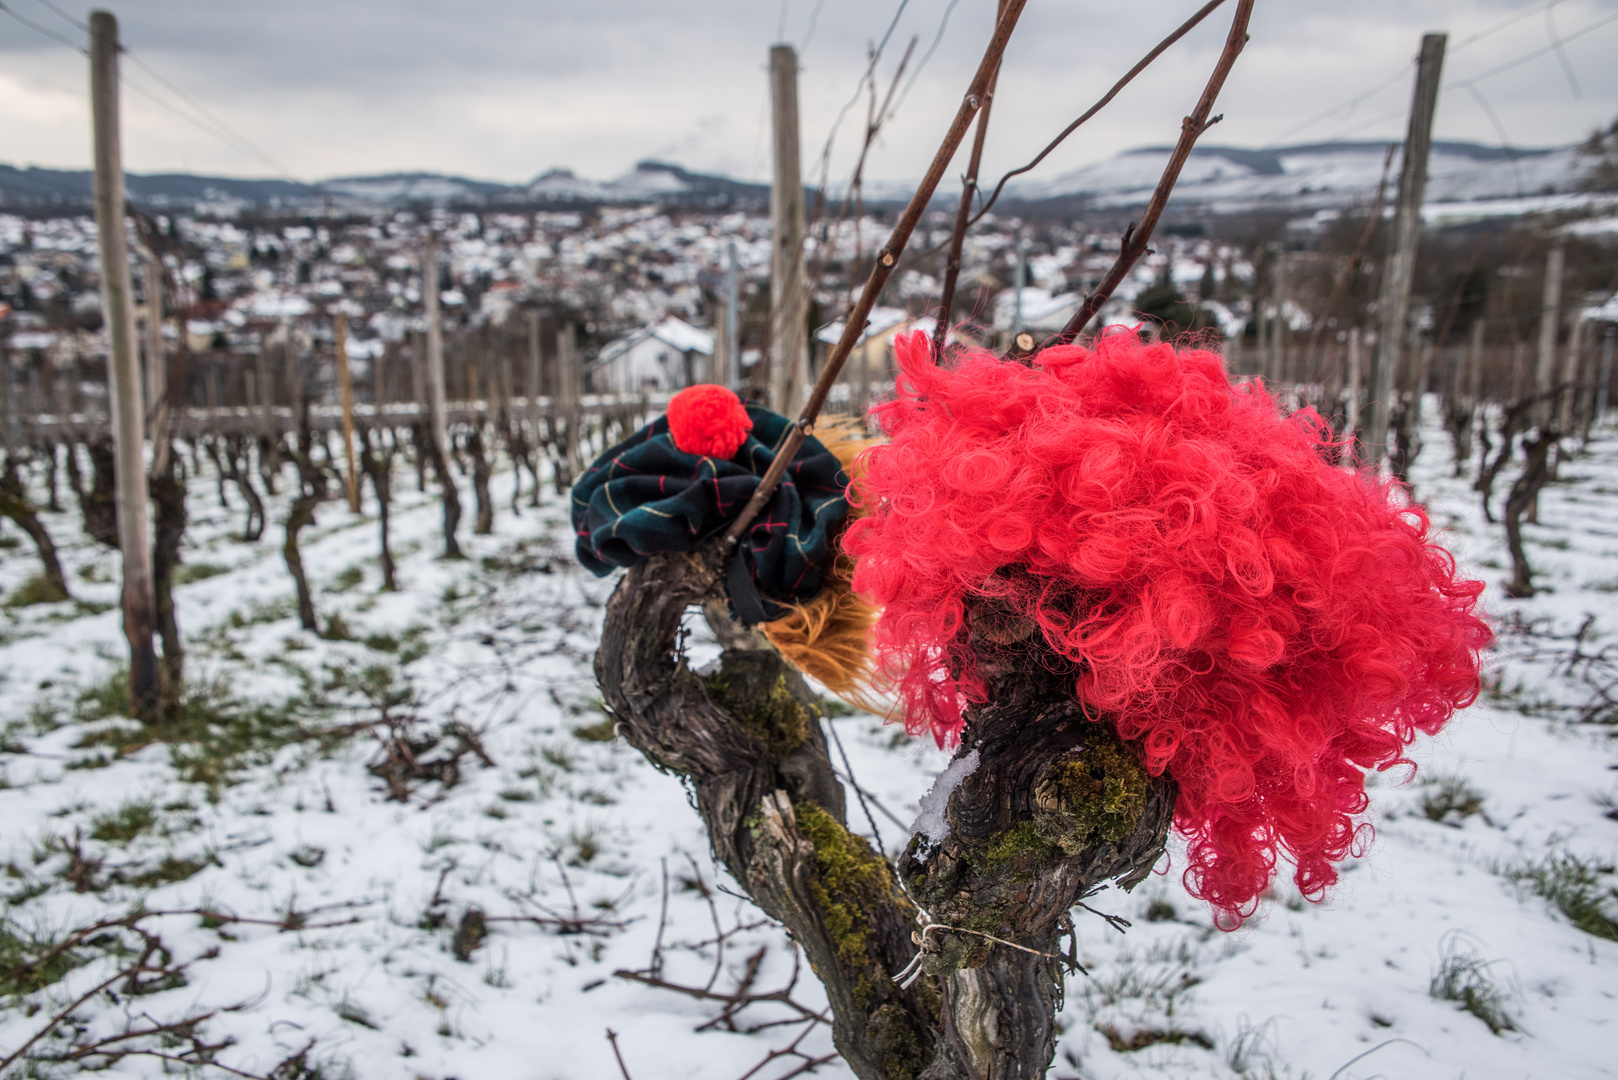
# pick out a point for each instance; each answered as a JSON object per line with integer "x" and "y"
{"x": 287, "y": 914}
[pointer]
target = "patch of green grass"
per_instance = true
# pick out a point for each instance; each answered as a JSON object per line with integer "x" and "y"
{"x": 558, "y": 756}
{"x": 1451, "y": 801}
{"x": 30, "y": 962}
{"x": 212, "y": 734}
{"x": 585, "y": 840}
{"x": 355, "y": 1014}
{"x": 409, "y": 645}
{"x": 1143, "y": 1037}
{"x": 124, "y": 824}
{"x": 104, "y": 700}
{"x": 379, "y": 685}
{"x": 113, "y": 734}
{"x": 530, "y": 556}
{"x": 186, "y": 573}
{"x": 44, "y": 716}
{"x": 601, "y": 732}
{"x": 545, "y": 780}
{"x": 1160, "y": 910}
{"x": 1158, "y": 980}
{"x": 1464, "y": 979}
{"x": 171, "y": 869}
{"x": 36, "y": 590}
{"x": 1577, "y": 888}
{"x": 30, "y": 888}
{"x": 267, "y": 612}
{"x": 308, "y": 856}
{"x": 347, "y": 580}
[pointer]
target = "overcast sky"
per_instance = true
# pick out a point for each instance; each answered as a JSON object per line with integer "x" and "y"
{"x": 505, "y": 89}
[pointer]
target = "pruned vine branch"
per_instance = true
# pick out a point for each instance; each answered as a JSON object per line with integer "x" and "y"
{"x": 1129, "y": 77}
{"x": 887, "y": 258}
{"x": 1138, "y": 235}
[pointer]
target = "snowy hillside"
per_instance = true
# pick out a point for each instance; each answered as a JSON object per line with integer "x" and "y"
{"x": 1216, "y": 180}
{"x": 648, "y": 181}
{"x": 412, "y": 848}
{"x": 1230, "y": 180}
{"x": 409, "y": 187}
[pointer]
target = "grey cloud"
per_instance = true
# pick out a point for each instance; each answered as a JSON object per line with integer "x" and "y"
{"x": 506, "y": 89}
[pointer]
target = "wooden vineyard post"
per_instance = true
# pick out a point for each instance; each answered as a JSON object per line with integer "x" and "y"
{"x": 157, "y": 375}
{"x": 1351, "y": 422}
{"x": 567, "y": 404}
{"x": 1567, "y": 392}
{"x": 1550, "y": 329}
{"x": 789, "y": 310}
{"x": 123, "y": 369}
{"x": 730, "y": 373}
{"x": 1604, "y": 384}
{"x": 435, "y": 347}
{"x": 532, "y": 381}
{"x": 1276, "y": 360}
{"x": 346, "y": 384}
{"x": 438, "y": 426}
{"x": 1399, "y": 274}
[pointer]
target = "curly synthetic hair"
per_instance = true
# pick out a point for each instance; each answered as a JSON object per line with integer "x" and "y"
{"x": 1262, "y": 624}
{"x": 827, "y": 636}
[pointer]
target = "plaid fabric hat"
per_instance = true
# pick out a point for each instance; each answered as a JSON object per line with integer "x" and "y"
{"x": 645, "y": 497}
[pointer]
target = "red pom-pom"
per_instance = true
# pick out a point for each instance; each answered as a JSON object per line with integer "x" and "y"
{"x": 708, "y": 421}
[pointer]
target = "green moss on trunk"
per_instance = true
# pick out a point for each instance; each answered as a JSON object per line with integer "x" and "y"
{"x": 1093, "y": 795}
{"x": 850, "y": 879}
{"x": 755, "y": 687}
{"x": 851, "y": 882}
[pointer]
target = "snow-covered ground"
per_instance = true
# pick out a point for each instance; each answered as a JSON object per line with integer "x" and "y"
{"x": 321, "y": 929}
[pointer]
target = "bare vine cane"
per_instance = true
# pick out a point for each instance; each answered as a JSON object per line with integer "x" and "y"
{"x": 1138, "y": 235}
{"x": 1129, "y": 76}
{"x": 957, "y": 236}
{"x": 886, "y": 260}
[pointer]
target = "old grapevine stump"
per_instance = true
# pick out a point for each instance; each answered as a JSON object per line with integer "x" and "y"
{"x": 1054, "y": 807}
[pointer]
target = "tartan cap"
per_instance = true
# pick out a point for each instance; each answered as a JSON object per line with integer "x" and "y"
{"x": 646, "y": 497}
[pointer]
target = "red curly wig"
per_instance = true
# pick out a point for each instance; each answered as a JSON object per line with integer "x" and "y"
{"x": 1264, "y": 625}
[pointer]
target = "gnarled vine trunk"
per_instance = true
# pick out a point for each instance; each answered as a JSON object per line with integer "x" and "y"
{"x": 1054, "y": 807}
{"x": 14, "y": 504}
{"x": 377, "y": 463}
{"x": 99, "y": 507}
{"x": 168, "y": 500}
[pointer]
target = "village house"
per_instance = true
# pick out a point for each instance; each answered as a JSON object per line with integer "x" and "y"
{"x": 665, "y": 355}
